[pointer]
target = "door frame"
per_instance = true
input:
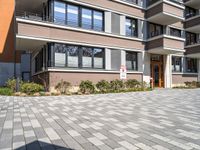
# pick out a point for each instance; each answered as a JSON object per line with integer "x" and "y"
{"x": 160, "y": 64}
{"x": 153, "y": 74}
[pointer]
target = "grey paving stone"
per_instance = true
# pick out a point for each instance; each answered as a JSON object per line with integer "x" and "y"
{"x": 162, "y": 119}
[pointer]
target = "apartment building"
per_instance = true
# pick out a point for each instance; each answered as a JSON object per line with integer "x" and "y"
{"x": 47, "y": 41}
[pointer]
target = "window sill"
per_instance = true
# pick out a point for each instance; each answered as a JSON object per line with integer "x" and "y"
{"x": 90, "y": 70}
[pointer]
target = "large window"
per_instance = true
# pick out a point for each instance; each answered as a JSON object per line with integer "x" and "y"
{"x": 72, "y": 15}
{"x": 78, "y": 56}
{"x": 191, "y": 65}
{"x": 176, "y": 64}
{"x": 175, "y": 32}
{"x": 86, "y": 18}
{"x": 131, "y": 60}
{"x": 191, "y": 38}
{"x": 60, "y": 55}
{"x": 190, "y": 12}
{"x": 98, "y": 58}
{"x": 59, "y": 12}
{"x": 78, "y": 16}
{"x": 72, "y": 56}
{"x": 98, "y": 21}
{"x": 131, "y": 27}
{"x": 155, "y": 30}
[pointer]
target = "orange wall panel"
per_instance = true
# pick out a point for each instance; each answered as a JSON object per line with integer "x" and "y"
{"x": 7, "y": 35}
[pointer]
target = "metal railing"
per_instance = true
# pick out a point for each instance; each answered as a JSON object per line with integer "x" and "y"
{"x": 180, "y": 2}
{"x": 193, "y": 43}
{"x": 59, "y": 21}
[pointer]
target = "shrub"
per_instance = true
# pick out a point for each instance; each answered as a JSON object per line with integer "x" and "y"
{"x": 63, "y": 87}
{"x": 6, "y": 91}
{"x": 103, "y": 86}
{"x": 31, "y": 88}
{"x": 116, "y": 85}
{"x": 87, "y": 87}
{"x": 192, "y": 84}
{"x": 132, "y": 83}
{"x": 11, "y": 83}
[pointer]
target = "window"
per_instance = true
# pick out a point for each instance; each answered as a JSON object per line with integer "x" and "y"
{"x": 72, "y": 56}
{"x": 191, "y": 38}
{"x": 97, "y": 21}
{"x": 86, "y": 57}
{"x": 72, "y": 15}
{"x": 86, "y": 18}
{"x": 39, "y": 61}
{"x": 59, "y": 12}
{"x": 78, "y": 56}
{"x": 190, "y": 12}
{"x": 60, "y": 55}
{"x": 131, "y": 60}
{"x": 176, "y": 64}
{"x": 191, "y": 65}
{"x": 98, "y": 58}
{"x": 155, "y": 30}
{"x": 131, "y": 1}
{"x": 78, "y": 16}
{"x": 175, "y": 32}
{"x": 131, "y": 27}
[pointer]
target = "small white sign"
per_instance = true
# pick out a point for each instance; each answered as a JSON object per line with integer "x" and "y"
{"x": 123, "y": 73}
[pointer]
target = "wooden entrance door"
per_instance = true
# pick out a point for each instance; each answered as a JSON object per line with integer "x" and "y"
{"x": 157, "y": 72}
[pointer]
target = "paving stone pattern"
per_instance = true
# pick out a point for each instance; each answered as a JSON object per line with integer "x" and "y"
{"x": 159, "y": 120}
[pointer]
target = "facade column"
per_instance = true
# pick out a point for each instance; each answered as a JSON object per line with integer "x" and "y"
{"x": 108, "y": 22}
{"x": 146, "y": 57}
{"x": 123, "y": 57}
{"x": 122, "y": 25}
{"x": 168, "y": 71}
{"x": 198, "y": 70}
{"x": 140, "y": 29}
{"x": 140, "y": 61}
{"x": 107, "y": 59}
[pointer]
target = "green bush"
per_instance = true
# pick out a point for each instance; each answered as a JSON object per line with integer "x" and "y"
{"x": 192, "y": 84}
{"x": 31, "y": 88}
{"x": 6, "y": 91}
{"x": 132, "y": 83}
{"x": 86, "y": 87}
{"x": 103, "y": 86}
{"x": 116, "y": 85}
{"x": 11, "y": 83}
{"x": 63, "y": 87}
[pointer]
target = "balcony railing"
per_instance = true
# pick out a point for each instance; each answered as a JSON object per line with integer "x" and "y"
{"x": 151, "y": 2}
{"x": 58, "y": 21}
{"x": 157, "y": 33}
{"x": 193, "y": 43}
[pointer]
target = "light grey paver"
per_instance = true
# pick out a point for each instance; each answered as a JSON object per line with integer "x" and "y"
{"x": 160, "y": 120}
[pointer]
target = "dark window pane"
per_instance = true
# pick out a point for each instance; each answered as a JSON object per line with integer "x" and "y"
{"x": 191, "y": 65}
{"x": 131, "y": 27}
{"x": 131, "y": 60}
{"x": 176, "y": 64}
{"x": 98, "y": 58}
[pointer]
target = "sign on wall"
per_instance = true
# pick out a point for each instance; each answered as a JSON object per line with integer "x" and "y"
{"x": 123, "y": 72}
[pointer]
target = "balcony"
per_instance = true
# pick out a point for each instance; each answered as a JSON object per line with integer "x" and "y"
{"x": 193, "y": 49}
{"x": 192, "y": 24}
{"x": 165, "y": 44}
{"x": 33, "y": 30}
{"x": 192, "y": 3}
{"x": 165, "y": 12}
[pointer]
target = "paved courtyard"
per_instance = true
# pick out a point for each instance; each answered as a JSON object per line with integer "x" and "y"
{"x": 162, "y": 119}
